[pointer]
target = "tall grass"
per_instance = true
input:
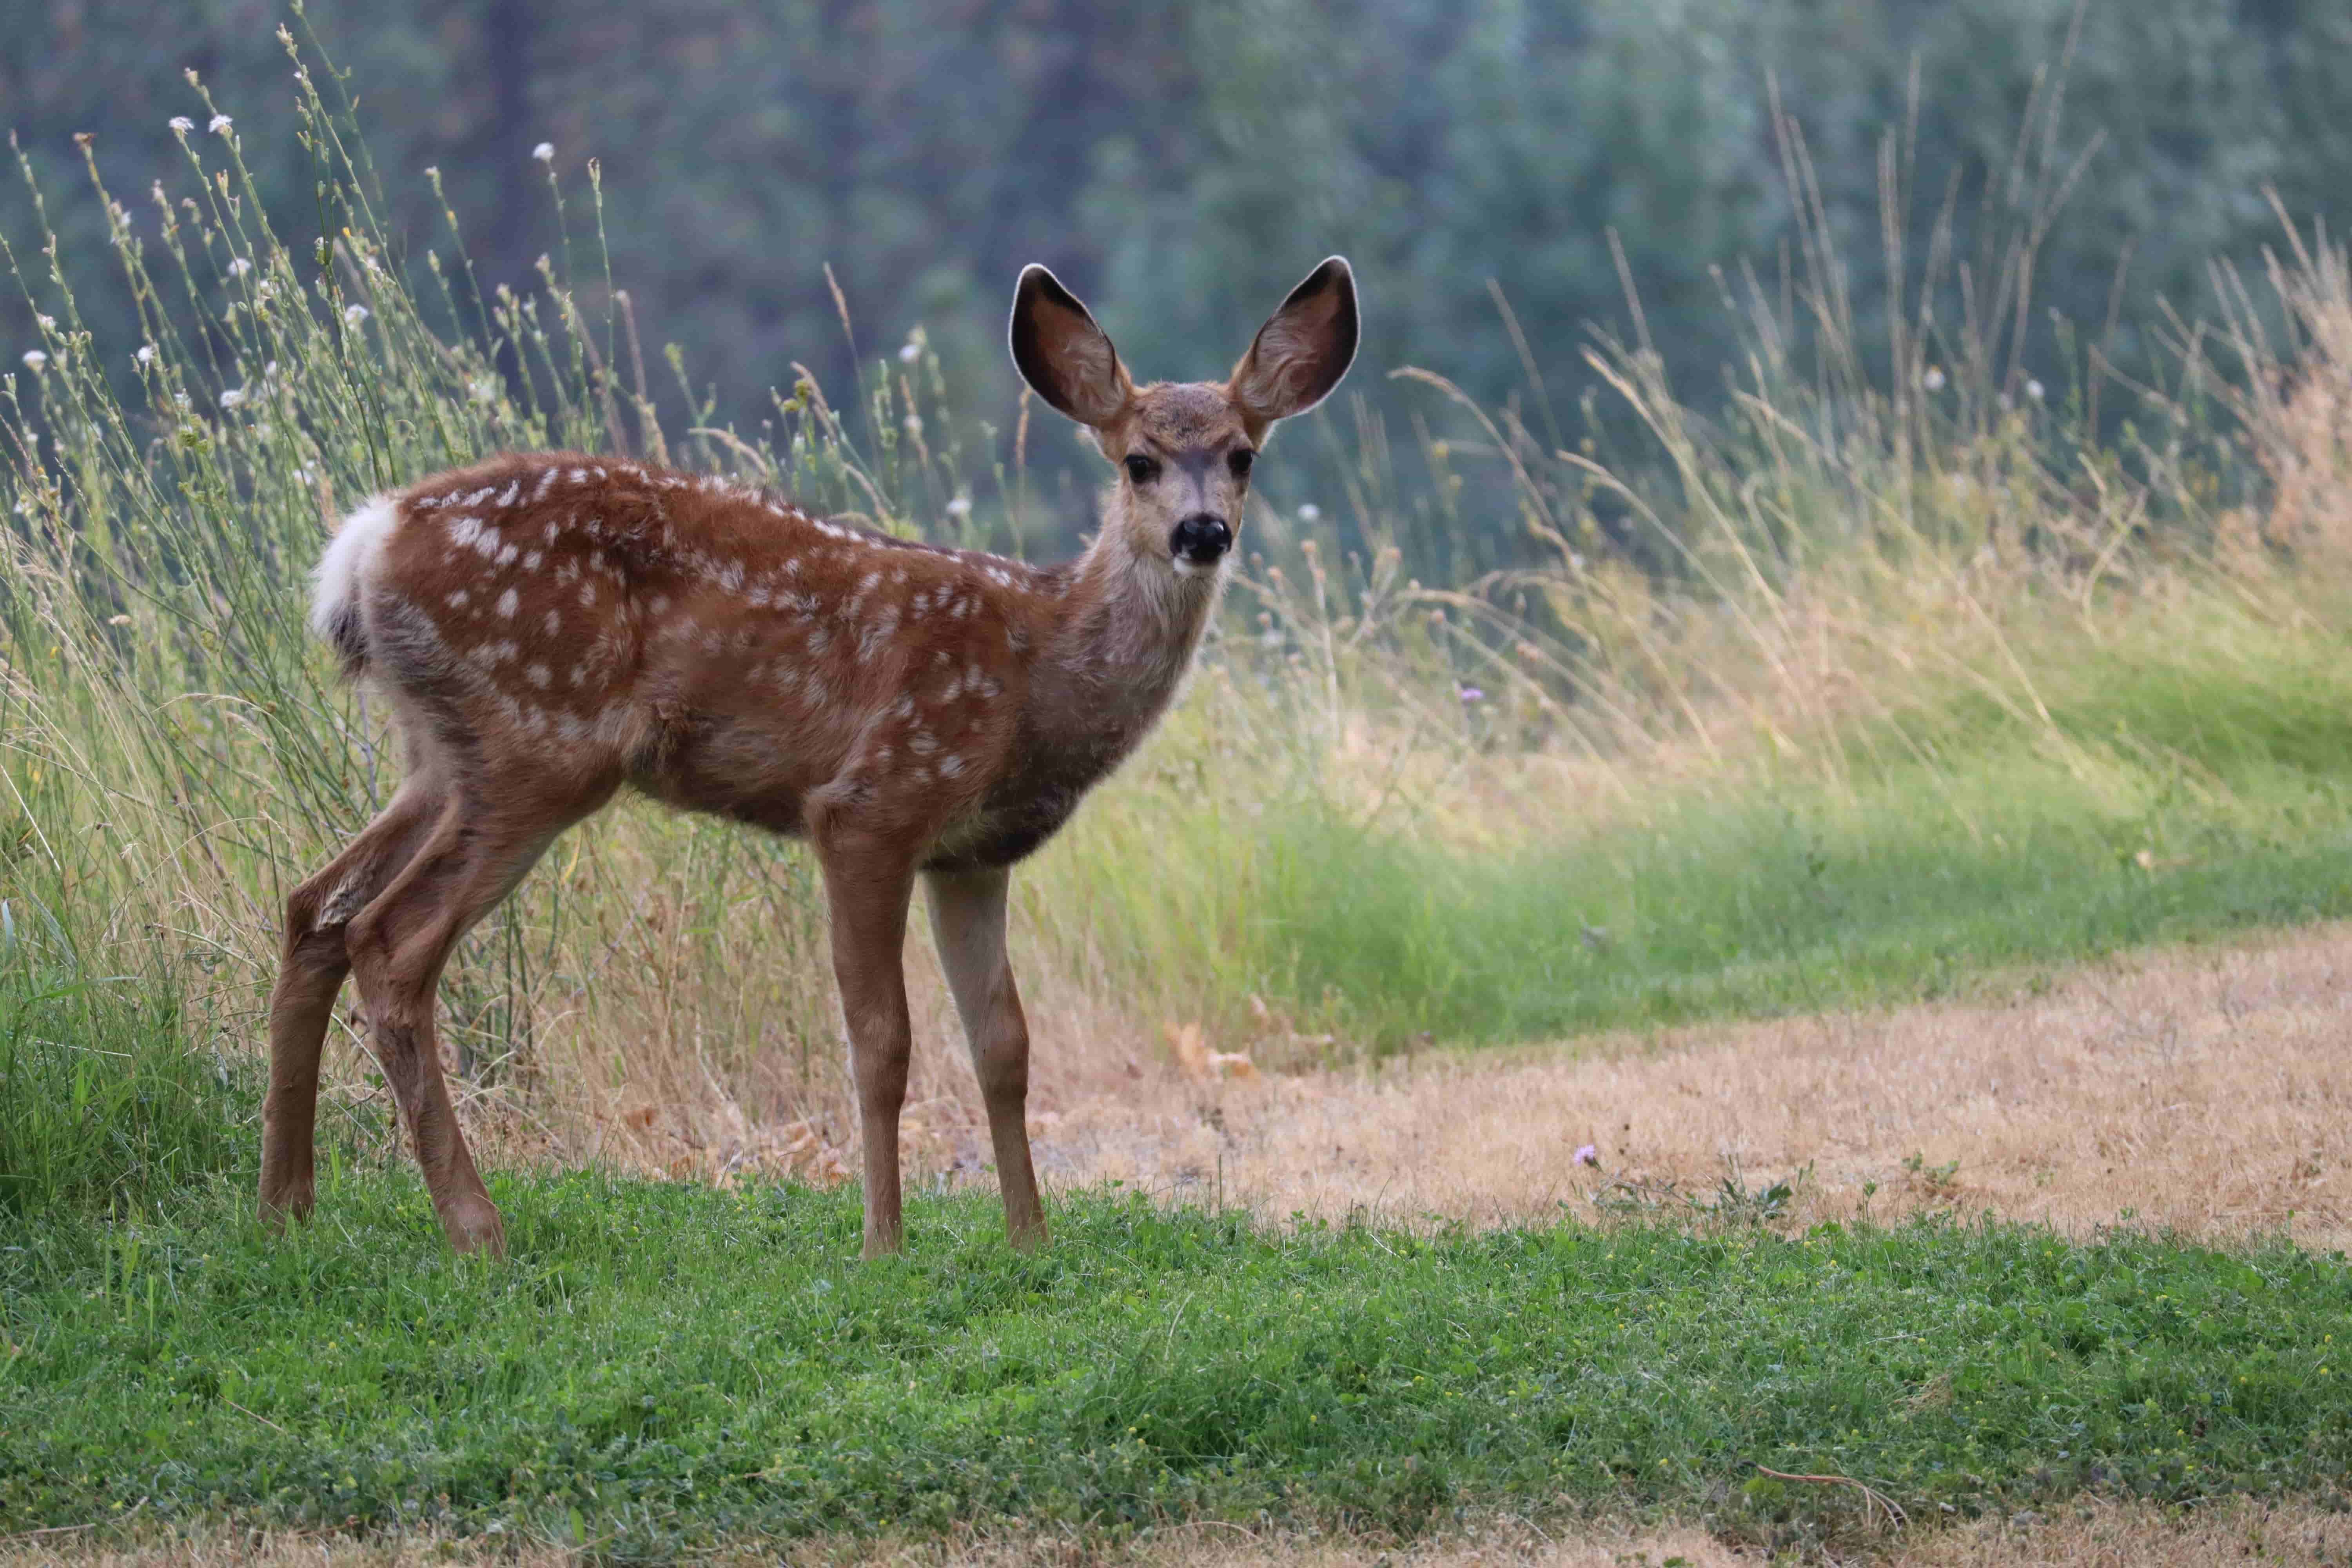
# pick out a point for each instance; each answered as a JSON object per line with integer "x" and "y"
{"x": 1876, "y": 677}
{"x": 105, "y": 1104}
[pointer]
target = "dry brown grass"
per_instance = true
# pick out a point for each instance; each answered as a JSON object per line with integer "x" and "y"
{"x": 2082, "y": 1535}
{"x": 2202, "y": 1089}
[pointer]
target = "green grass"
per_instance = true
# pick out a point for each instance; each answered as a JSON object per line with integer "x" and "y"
{"x": 660, "y": 1364}
{"x": 2157, "y": 803}
{"x": 102, "y": 1100}
{"x": 1768, "y": 901}
{"x": 1776, "y": 908}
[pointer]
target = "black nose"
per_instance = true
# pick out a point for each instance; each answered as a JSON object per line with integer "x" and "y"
{"x": 1202, "y": 539}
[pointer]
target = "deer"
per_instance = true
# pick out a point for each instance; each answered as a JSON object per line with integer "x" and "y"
{"x": 551, "y": 628}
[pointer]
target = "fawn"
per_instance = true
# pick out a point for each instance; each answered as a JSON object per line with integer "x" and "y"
{"x": 552, "y": 626}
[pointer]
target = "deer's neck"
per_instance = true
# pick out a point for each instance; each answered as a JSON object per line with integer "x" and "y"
{"x": 1120, "y": 648}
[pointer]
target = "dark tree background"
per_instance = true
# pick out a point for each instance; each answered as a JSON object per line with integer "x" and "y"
{"x": 1180, "y": 165}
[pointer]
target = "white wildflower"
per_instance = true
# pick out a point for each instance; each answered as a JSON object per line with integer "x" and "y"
{"x": 1308, "y": 511}
{"x": 914, "y": 424}
{"x": 1934, "y": 380}
{"x": 232, "y": 397}
{"x": 910, "y": 351}
{"x": 482, "y": 388}
{"x": 239, "y": 266}
{"x": 354, "y": 314}
{"x": 34, "y": 358}
{"x": 183, "y": 125}
{"x": 48, "y": 323}
{"x": 544, "y": 151}
{"x": 146, "y": 355}
{"x": 220, "y": 125}
{"x": 2033, "y": 390}
{"x": 960, "y": 507}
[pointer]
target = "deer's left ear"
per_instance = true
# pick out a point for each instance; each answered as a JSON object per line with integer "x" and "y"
{"x": 1303, "y": 350}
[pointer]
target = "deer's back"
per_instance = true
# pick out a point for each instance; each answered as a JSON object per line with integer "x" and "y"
{"x": 591, "y": 623}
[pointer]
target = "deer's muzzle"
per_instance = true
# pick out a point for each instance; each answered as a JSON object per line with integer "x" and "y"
{"x": 1203, "y": 539}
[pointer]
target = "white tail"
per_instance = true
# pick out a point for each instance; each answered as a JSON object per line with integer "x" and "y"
{"x": 350, "y": 555}
{"x": 554, "y": 626}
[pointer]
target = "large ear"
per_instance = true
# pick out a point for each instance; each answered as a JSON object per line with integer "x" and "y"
{"x": 1303, "y": 350}
{"x": 1063, "y": 354}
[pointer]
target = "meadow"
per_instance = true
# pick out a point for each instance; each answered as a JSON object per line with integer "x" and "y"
{"x": 1924, "y": 684}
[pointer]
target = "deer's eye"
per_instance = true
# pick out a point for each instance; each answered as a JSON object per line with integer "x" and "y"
{"x": 1240, "y": 460}
{"x": 1140, "y": 468}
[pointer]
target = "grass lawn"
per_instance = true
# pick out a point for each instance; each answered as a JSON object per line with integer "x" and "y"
{"x": 2168, "y": 796}
{"x": 662, "y": 1364}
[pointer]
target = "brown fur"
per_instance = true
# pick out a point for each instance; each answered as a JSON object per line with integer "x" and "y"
{"x": 554, "y": 626}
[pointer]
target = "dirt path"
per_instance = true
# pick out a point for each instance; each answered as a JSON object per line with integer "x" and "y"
{"x": 2208, "y": 1089}
{"x": 2085, "y": 1535}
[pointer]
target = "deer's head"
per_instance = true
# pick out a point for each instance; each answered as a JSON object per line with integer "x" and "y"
{"x": 1183, "y": 449}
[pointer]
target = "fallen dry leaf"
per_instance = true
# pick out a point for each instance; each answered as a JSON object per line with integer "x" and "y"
{"x": 1184, "y": 1042}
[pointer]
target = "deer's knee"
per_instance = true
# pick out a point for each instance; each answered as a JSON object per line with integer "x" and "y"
{"x": 309, "y": 932}
{"x": 325, "y": 906}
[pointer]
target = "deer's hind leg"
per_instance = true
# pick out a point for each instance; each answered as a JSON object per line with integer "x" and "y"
{"x": 471, "y": 858}
{"x": 312, "y": 963}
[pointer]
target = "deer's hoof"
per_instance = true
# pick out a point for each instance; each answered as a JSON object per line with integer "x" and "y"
{"x": 474, "y": 1226}
{"x": 294, "y": 1201}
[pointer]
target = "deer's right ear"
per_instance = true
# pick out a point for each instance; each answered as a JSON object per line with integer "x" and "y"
{"x": 1063, "y": 354}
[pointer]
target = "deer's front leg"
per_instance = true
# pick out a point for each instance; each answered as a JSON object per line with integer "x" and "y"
{"x": 866, "y": 884}
{"x": 968, "y": 924}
